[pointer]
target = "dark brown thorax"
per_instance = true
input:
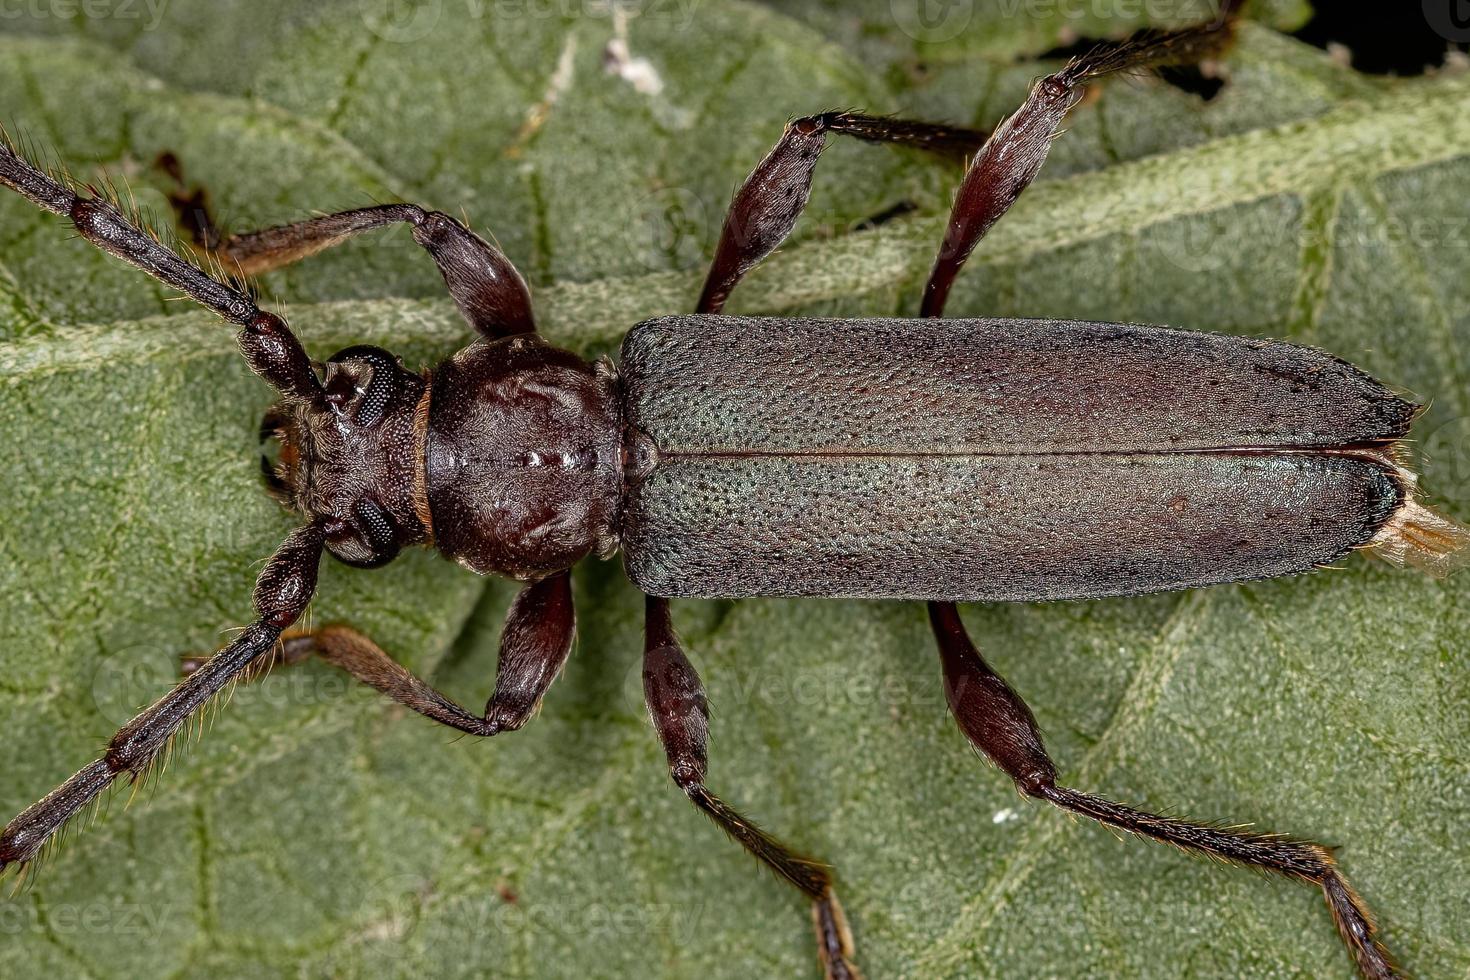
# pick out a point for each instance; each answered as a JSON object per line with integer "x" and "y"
{"x": 523, "y": 457}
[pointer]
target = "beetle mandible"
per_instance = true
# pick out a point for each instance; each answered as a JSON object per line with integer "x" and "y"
{"x": 930, "y": 460}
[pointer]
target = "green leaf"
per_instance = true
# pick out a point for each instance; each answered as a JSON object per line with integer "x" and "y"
{"x": 316, "y": 831}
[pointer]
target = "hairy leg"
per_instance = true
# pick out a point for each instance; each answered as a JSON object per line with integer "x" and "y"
{"x": 534, "y": 646}
{"x": 487, "y": 288}
{"x": 680, "y": 712}
{"x": 999, "y": 724}
{"x": 1013, "y": 155}
{"x": 766, "y": 206}
{"x": 272, "y": 351}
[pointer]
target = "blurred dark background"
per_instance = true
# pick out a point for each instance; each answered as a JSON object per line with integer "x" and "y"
{"x": 1395, "y": 38}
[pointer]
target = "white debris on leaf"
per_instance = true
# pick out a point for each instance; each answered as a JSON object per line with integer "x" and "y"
{"x": 617, "y": 59}
{"x": 637, "y": 72}
{"x": 1004, "y": 816}
{"x": 556, "y": 86}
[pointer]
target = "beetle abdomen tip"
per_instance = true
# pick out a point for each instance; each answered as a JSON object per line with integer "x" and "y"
{"x": 1420, "y": 538}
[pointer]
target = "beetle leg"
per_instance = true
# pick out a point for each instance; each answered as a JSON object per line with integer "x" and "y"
{"x": 488, "y": 290}
{"x": 766, "y": 206}
{"x": 991, "y": 715}
{"x": 1015, "y": 151}
{"x": 533, "y": 648}
{"x": 284, "y": 588}
{"x": 997, "y": 722}
{"x": 534, "y": 645}
{"x": 676, "y": 701}
{"x": 190, "y": 205}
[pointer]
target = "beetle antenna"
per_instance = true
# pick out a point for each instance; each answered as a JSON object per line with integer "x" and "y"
{"x": 282, "y": 592}
{"x": 268, "y": 345}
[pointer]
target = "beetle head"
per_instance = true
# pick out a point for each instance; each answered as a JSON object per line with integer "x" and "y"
{"x": 354, "y": 458}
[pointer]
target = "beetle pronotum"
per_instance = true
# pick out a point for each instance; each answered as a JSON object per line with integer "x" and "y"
{"x": 843, "y": 458}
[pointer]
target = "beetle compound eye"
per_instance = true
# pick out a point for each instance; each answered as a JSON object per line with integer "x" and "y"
{"x": 375, "y": 524}
{"x": 379, "y": 394}
{"x": 369, "y": 540}
{"x": 370, "y": 376}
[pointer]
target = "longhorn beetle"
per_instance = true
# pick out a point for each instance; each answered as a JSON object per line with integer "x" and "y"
{"x": 929, "y": 460}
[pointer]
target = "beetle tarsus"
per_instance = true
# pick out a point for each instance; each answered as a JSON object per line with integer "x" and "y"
{"x": 834, "y": 939}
